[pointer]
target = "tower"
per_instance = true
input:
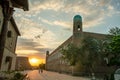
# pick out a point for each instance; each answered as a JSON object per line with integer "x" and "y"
{"x": 77, "y": 24}
{"x": 47, "y": 55}
{"x": 77, "y": 30}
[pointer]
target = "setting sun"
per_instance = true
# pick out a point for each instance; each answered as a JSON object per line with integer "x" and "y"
{"x": 34, "y": 61}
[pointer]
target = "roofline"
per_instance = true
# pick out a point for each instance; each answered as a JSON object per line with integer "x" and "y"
{"x": 23, "y": 4}
{"x": 14, "y": 25}
{"x": 61, "y": 45}
{"x": 95, "y": 33}
{"x": 72, "y": 36}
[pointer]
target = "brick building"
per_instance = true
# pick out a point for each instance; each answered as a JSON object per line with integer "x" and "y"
{"x": 54, "y": 61}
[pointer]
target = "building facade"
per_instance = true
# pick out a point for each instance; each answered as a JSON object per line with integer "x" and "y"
{"x": 9, "y": 32}
{"x": 22, "y": 63}
{"x": 9, "y": 56}
{"x": 54, "y": 61}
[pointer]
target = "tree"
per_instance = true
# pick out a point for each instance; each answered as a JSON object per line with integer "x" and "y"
{"x": 114, "y": 31}
{"x": 91, "y": 48}
{"x": 114, "y": 46}
{"x": 86, "y": 54}
{"x": 70, "y": 53}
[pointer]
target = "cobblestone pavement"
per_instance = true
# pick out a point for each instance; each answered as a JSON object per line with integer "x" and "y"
{"x": 47, "y": 75}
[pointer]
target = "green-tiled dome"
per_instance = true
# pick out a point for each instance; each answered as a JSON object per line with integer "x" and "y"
{"x": 77, "y": 18}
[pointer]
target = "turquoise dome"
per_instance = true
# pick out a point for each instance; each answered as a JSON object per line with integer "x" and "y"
{"x": 77, "y": 18}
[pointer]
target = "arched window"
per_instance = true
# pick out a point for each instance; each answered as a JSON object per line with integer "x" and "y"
{"x": 78, "y": 28}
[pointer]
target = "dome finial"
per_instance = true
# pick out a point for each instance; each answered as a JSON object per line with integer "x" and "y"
{"x": 77, "y": 18}
{"x": 77, "y": 24}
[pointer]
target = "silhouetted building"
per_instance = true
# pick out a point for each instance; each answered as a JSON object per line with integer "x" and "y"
{"x": 22, "y": 63}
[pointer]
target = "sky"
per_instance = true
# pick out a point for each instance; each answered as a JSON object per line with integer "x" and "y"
{"x": 48, "y": 23}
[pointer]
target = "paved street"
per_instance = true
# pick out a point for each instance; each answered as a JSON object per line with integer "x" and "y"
{"x": 47, "y": 75}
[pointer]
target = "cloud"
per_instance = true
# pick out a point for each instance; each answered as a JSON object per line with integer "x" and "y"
{"x": 60, "y": 23}
{"x": 27, "y": 52}
{"x": 28, "y": 46}
{"x": 39, "y": 5}
{"x": 36, "y": 25}
{"x": 47, "y": 21}
{"x": 34, "y": 38}
{"x": 27, "y": 43}
{"x": 29, "y": 29}
{"x": 93, "y": 11}
{"x": 47, "y": 39}
{"x": 83, "y": 7}
{"x": 86, "y": 8}
{"x": 63, "y": 24}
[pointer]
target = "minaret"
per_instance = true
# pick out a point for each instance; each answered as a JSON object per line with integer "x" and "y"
{"x": 77, "y": 29}
{"x": 47, "y": 55}
{"x": 77, "y": 24}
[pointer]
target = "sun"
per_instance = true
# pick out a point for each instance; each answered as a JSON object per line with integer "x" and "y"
{"x": 34, "y": 61}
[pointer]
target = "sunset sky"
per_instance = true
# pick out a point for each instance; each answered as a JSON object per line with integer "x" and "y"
{"x": 48, "y": 23}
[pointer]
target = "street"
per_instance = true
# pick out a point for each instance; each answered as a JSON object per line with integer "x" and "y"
{"x": 47, "y": 75}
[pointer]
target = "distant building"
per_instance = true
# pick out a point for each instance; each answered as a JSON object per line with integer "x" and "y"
{"x": 22, "y": 63}
{"x": 9, "y": 32}
{"x": 54, "y": 61}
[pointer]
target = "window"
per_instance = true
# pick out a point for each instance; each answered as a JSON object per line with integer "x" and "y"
{"x": 78, "y": 28}
{"x": 9, "y": 34}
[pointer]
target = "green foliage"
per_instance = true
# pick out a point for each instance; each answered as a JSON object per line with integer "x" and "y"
{"x": 114, "y": 47}
{"x": 16, "y": 75}
{"x": 93, "y": 51}
{"x": 85, "y": 54}
{"x": 71, "y": 54}
{"x": 114, "y": 31}
{"x": 20, "y": 76}
{"x": 91, "y": 45}
{"x": 115, "y": 50}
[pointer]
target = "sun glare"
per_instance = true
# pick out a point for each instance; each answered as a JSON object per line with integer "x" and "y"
{"x": 34, "y": 61}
